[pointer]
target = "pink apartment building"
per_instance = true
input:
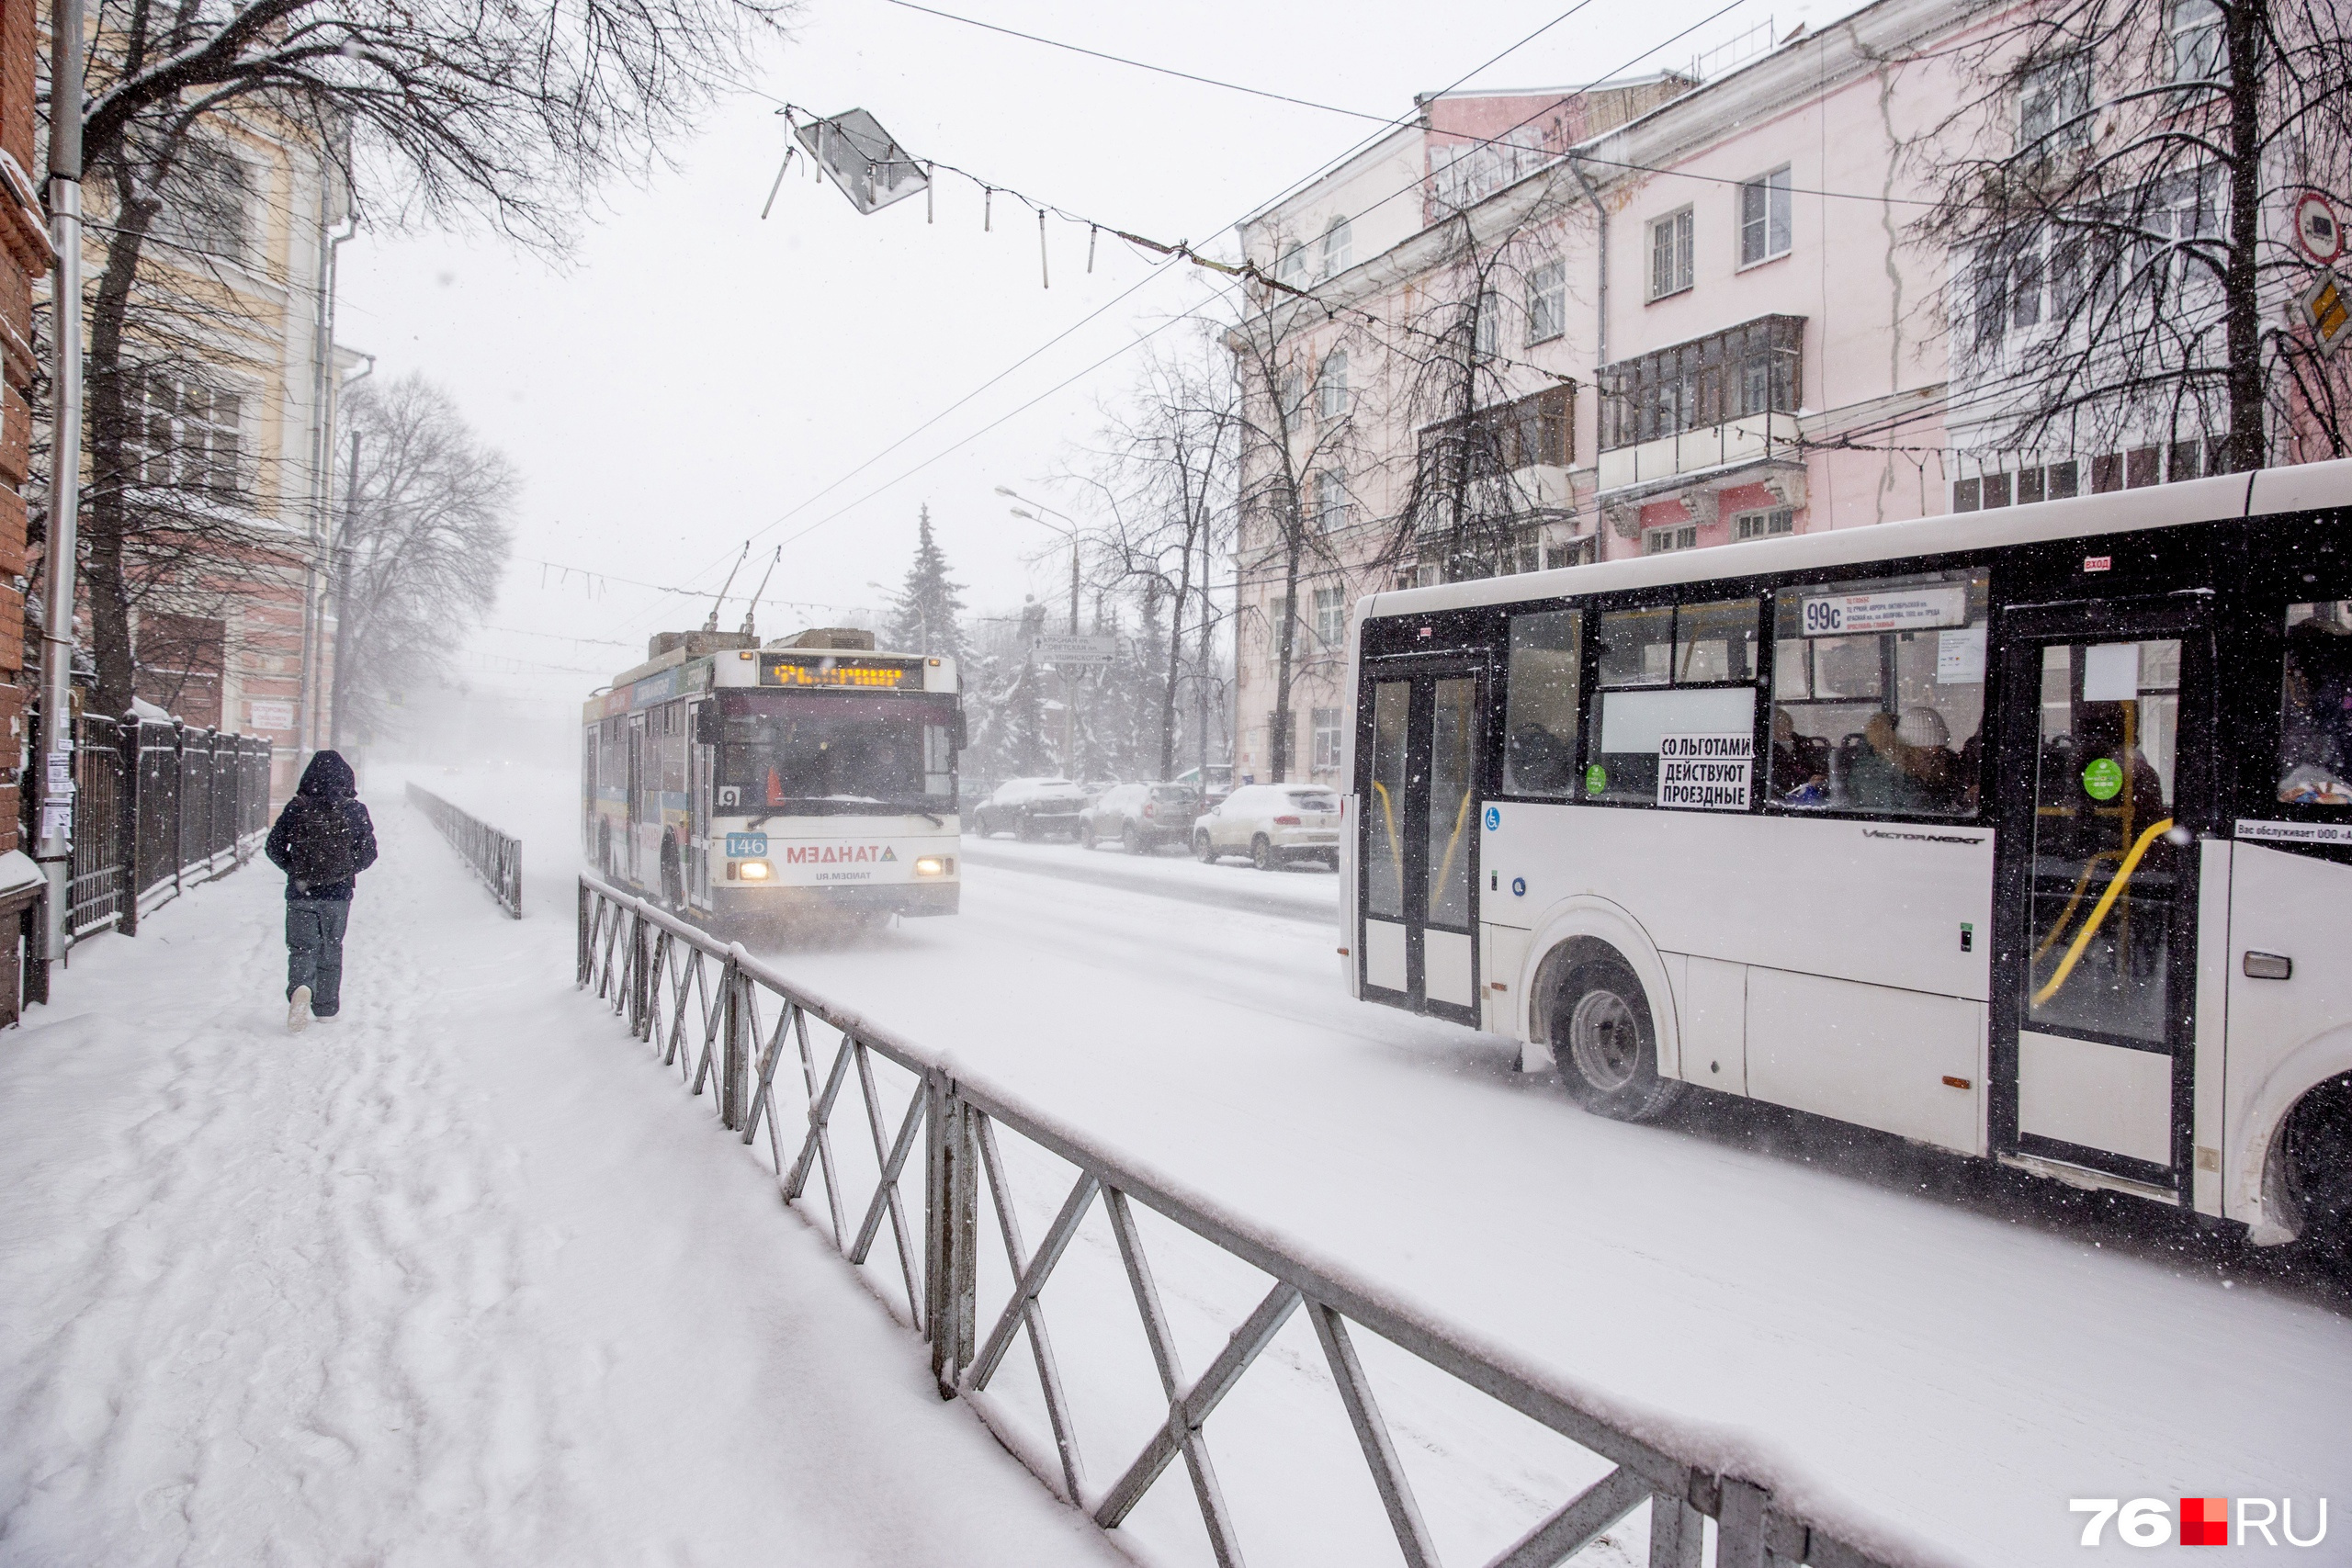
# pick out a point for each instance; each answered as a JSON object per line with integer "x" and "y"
{"x": 1701, "y": 313}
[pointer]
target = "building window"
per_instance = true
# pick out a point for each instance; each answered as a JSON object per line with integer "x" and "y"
{"x": 204, "y": 201}
{"x": 1968, "y": 495}
{"x": 1292, "y": 397}
{"x": 2061, "y": 481}
{"x": 1330, "y": 501}
{"x": 184, "y": 436}
{"x": 1766, "y": 221}
{"x": 1676, "y": 536}
{"x": 1292, "y": 268}
{"x": 2054, "y": 106}
{"x": 1326, "y": 757}
{"x": 2199, "y": 47}
{"x": 1547, "y": 302}
{"x": 1671, "y": 255}
{"x": 1339, "y": 246}
{"x": 1753, "y": 368}
{"x": 1330, "y": 616}
{"x": 1331, "y": 386}
{"x": 1486, "y": 332}
{"x": 1764, "y": 524}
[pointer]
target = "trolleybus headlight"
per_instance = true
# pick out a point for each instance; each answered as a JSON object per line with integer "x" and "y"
{"x": 933, "y": 865}
{"x": 748, "y": 870}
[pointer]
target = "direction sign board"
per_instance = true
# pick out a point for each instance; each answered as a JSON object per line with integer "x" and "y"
{"x": 2327, "y": 309}
{"x": 870, "y": 168}
{"x": 1071, "y": 649}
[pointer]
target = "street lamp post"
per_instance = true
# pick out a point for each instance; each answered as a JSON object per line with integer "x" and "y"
{"x": 1070, "y": 682}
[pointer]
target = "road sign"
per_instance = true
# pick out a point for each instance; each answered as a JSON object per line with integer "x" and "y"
{"x": 870, "y": 168}
{"x": 2323, "y": 305}
{"x": 2317, "y": 228}
{"x": 1073, "y": 650}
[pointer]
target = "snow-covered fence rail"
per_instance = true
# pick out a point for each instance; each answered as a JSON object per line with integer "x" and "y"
{"x": 158, "y": 805}
{"x": 497, "y": 857}
{"x": 725, "y": 1021}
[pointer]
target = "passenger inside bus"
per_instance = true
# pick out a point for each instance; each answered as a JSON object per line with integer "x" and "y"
{"x": 2316, "y": 718}
{"x": 1903, "y": 764}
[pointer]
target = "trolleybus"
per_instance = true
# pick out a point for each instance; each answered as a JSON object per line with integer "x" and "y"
{"x": 735, "y": 783}
{"x": 2023, "y": 833}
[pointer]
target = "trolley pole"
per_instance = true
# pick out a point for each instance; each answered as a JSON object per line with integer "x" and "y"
{"x": 53, "y": 846}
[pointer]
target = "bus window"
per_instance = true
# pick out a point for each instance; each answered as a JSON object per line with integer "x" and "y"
{"x": 1673, "y": 675}
{"x": 1878, "y": 695}
{"x": 1541, "y": 715}
{"x": 1384, "y": 807}
{"x": 2315, "y": 706}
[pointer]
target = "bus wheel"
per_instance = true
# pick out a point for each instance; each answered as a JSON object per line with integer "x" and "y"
{"x": 2318, "y": 1152}
{"x": 1606, "y": 1046}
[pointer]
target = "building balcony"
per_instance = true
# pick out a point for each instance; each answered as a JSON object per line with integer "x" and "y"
{"x": 1686, "y": 455}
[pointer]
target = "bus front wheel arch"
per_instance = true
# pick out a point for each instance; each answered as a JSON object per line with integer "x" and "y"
{"x": 1595, "y": 1016}
{"x": 2312, "y": 1174}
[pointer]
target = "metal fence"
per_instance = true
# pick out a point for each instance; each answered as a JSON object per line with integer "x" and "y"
{"x": 496, "y": 857}
{"x": 158, "y": 806}
{"x": 725, "y": 1021}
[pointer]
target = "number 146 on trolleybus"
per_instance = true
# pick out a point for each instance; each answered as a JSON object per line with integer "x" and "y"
{"x": 742, "y": 784}
{"x": 2026, "y": 834}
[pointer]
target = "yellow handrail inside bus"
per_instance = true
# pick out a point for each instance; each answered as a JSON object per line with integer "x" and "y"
{"x": 1445, "y": 866}
{"x": 2058, "y": 927}
{"x": 1395, "y": 845}
{"x": 2099, "y": 911}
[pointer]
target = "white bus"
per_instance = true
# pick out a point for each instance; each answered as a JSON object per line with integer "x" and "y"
{"x": 737, "y": 783}
{"x": 2024, "y": 833}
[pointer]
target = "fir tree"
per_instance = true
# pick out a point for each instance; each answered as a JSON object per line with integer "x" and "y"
{"x": 923, "y": 617}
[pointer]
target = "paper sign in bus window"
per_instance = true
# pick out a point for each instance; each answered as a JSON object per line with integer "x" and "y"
{"x": 1960, "y": 657}
{"x": 1705, "y": 772}
{"x": 1888, "y": 610}
{"x": 2111, "y": 672}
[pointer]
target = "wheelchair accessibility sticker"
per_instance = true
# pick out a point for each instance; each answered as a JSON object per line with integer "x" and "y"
{"x": 1494, "y": 817}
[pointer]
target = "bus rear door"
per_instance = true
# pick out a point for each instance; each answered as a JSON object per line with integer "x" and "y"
{"x": 2106, "y": 717}
{"x": 1417, "y": 886}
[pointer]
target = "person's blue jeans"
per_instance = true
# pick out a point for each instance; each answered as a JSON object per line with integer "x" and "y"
{"x": 314, "y": 951}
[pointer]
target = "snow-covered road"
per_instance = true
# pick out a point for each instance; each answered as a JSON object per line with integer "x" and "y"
{"x": 446, "y": 1280}
{"x": 1954, "y": 1353}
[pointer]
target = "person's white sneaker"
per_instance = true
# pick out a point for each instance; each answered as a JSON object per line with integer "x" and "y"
{"x": 298, "y": 1010}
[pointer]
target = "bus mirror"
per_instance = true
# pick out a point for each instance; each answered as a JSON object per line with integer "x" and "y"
{"x": 956, "y": 735}
{"x": 706, "y": 724}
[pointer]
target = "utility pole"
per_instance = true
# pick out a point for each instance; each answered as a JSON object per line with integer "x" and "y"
{"x": 53, "y": 847}
{"x": 1069, "y": 676}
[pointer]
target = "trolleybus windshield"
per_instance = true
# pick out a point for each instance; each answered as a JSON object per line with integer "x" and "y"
{"x": 831, "y": 752}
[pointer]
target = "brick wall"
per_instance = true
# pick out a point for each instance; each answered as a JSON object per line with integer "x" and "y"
{"x": 24, "y": 255}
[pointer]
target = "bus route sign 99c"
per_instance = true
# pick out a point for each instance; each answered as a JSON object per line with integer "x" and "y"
{"x": 856, "y": 674}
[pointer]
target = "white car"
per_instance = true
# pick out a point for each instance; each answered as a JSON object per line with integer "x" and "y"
{"x": 1271, "y": 824}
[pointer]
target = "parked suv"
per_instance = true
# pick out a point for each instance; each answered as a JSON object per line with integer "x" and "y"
{"x": 1141, "y": 817}
{"x": 1271, "y": 824}
{"x": 1030, "y": 809}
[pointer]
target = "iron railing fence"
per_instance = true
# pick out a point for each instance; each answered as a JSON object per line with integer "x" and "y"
{"x": 496, "y": 857}
{"x": 158, "y": 805}
{"x": 727, "y": 1021}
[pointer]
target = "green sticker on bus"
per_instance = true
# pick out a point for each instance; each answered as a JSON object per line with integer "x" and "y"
{"x": 1596, "y": 779}
{"x": 2103, "y": 779}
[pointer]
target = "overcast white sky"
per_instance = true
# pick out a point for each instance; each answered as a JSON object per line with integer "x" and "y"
{"x": 694, "y": 377}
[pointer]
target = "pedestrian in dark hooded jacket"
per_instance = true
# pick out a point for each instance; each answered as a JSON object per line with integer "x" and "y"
{"x": 323, "y": 841}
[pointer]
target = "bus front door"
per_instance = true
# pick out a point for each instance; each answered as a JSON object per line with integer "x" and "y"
{"x": 2095, "y": 964}
{"x": 1418, "y": 839}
